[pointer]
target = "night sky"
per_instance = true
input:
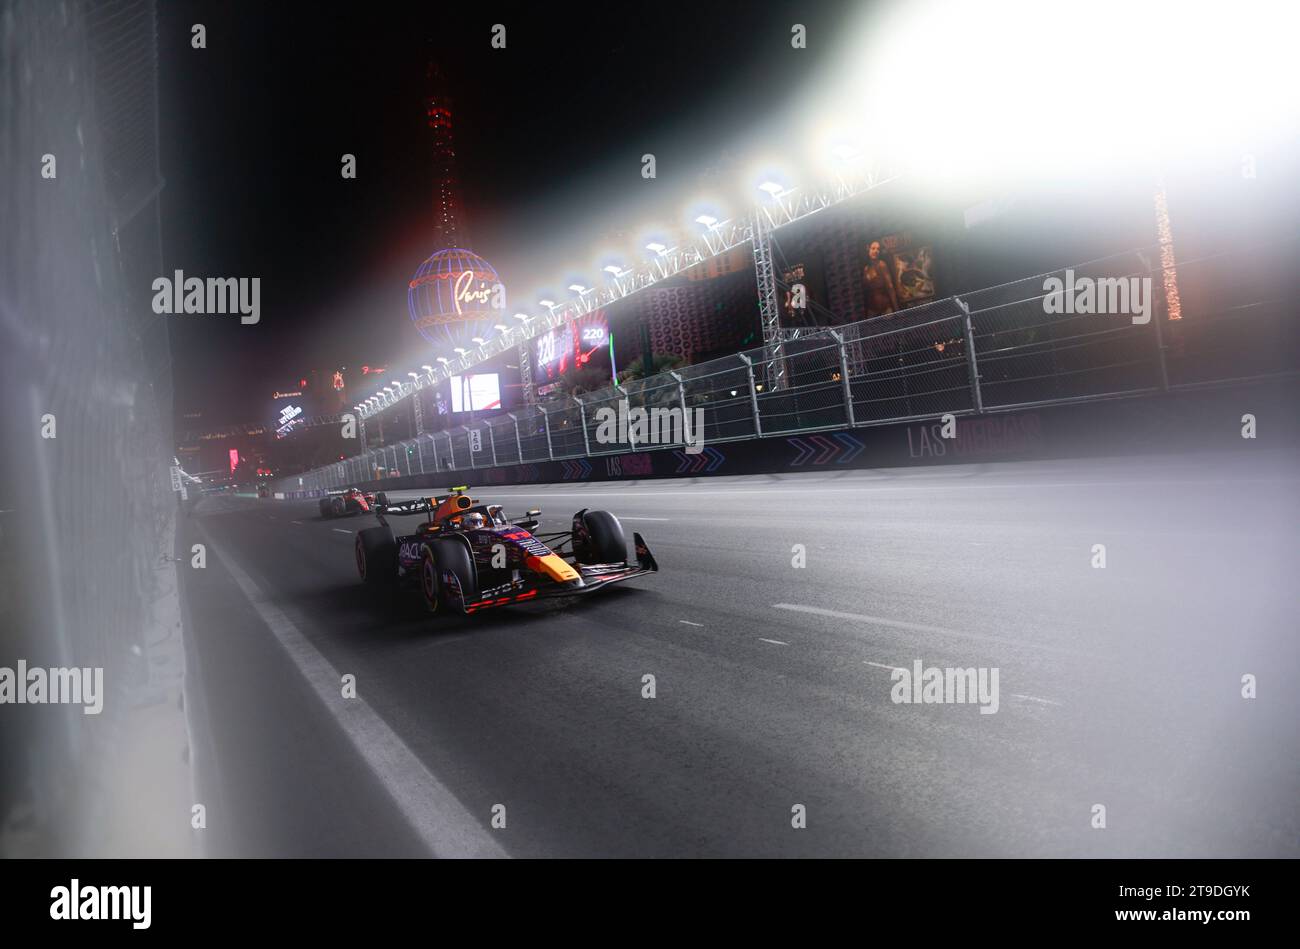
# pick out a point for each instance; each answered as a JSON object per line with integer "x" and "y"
{"x": 550, "y": 132}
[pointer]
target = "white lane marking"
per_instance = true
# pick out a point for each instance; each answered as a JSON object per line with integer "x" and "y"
{"x": 879, "y": 666}
{"x": 689, "y": 623}
{"x": 341, "y": 530}
{"x": 774, "y": 642}
{"x": 920, "y": 628}
{"x": 1033, "y": 698}
{"x": 440, "y": 820}
{"x": 299, "y": 523}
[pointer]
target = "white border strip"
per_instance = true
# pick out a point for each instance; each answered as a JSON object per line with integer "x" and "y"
{"x": 438, "y": 818}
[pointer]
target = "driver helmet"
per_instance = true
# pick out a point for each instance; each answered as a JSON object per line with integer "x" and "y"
{"x": 473, "y": 521}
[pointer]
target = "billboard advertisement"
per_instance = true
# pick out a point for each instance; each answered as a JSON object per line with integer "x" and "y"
{"x": 475, "y": 393}
{"x": 571, "y": 346}
{"x": 288, "y": 410}
{"x": 896, "y": 273}
{"x": 801, "y": 294}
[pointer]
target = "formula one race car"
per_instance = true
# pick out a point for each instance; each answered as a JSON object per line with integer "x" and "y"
{"x": 468, "y": 556}
{"x": 351, "y": 501}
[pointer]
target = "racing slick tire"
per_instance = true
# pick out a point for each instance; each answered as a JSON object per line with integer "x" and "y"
{"x": 338, "y": 507}
{"x": 376, "y": 550}
{"x": 381, "y": 499}
{"x": 599, "y": 538}
{"x": 452, "y": 556}
{"x": 326, "y": 507}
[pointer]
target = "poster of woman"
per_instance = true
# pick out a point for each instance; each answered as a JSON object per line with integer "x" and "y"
{"x": 896, "y": 274}
{"x": 878, "y": 283}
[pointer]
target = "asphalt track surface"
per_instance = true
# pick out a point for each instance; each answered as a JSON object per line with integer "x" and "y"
{"x": 1118, "y": 686}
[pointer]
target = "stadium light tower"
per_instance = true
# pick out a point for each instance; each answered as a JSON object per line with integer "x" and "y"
{"x": 549, "y": 304}
{"x": 657, "y": 247}
{"x": 708, "y": 220}
{"x": 524, "y": 317}
{"x": 772, "y": 188}
{"x": 444, "y": 360}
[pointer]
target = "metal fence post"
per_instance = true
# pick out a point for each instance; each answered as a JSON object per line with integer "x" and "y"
{"x": 681, "y": 397}
{"x": 582, "y": 415}
{"x": 971, "y": 365}
{"x": 451, "y": 449}
{"x": 753, "y": 394}
{"x": 519, "y": 445}
{"x": 546, "y": 424}
{"x": 623, "y": 397}
{"x": 492, "y": 443}
{"x": 844, "y": 378}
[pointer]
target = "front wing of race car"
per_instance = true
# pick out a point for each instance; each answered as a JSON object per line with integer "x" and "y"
{"x": 592, "y": 577}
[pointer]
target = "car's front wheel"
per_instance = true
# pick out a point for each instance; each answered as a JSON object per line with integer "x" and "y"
{"x": 448, "y": 579}
{"x": 598, "y": 538}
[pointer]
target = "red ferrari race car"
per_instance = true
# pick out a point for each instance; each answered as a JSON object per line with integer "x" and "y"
{"x": 351, "y": 501}
{"x": 469, "y": 556}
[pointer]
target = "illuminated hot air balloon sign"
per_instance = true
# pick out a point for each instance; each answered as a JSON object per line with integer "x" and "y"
{"x": 454, "y": 296}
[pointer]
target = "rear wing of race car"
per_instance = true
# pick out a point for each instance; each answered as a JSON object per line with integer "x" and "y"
{"x": 416, "y": 506}
{"x": 405, "y": 508}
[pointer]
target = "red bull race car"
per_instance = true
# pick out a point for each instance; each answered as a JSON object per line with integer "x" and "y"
{"x": 468, "y": 556}
{"x": 351, "y": 501}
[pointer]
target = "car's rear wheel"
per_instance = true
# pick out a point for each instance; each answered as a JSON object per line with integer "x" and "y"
{"x": 447, "y": 576}
{"x": 376, "y": 551}
{"x": 381, "y": 499}
{"x": 599, "y": 538}
{"x": 326, "y": 507}
{"x": 338, "y": 507}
